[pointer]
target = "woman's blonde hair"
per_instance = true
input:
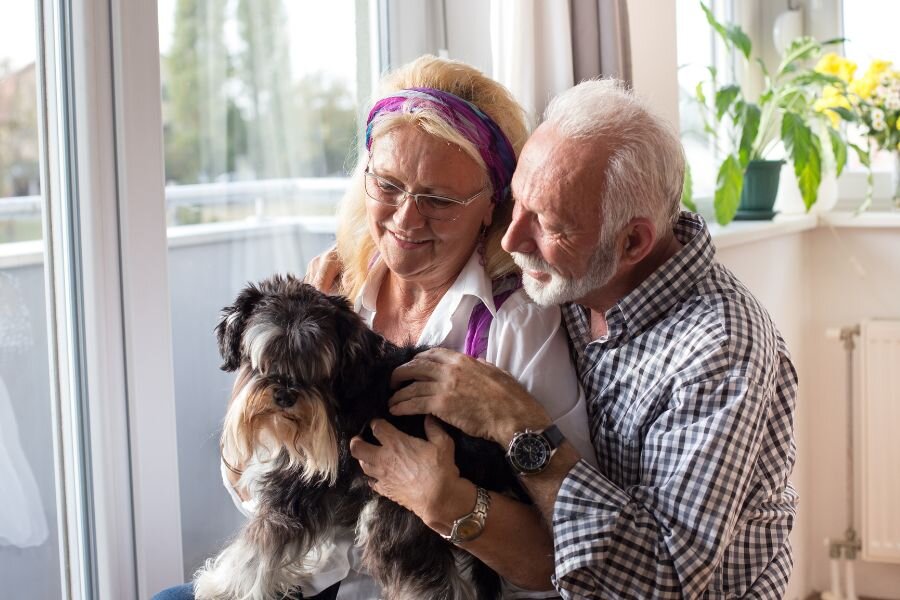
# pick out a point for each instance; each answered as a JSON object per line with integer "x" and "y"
{"x": 354, "y": 243}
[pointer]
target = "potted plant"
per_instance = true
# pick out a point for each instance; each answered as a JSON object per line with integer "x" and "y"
{"x": 780, "y": 121}
{"x": 872, "y": 103}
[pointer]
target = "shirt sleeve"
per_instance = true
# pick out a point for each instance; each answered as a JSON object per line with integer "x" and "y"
{"x": 530, "y": 343}
{"x": 665, "y": 536}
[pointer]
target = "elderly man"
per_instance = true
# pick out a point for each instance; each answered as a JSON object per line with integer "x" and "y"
{"x": 689, "y": 386}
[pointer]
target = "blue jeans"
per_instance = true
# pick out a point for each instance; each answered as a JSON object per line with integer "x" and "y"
{"x": 186, "y": 592}
{"x": 179, "y": 592}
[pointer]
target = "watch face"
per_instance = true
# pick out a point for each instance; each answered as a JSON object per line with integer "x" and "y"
{"x": 468, "y": 529}
{"x": 530, "y": 453}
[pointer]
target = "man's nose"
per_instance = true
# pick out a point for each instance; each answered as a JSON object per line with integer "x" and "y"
{"x": 518, "y": 236}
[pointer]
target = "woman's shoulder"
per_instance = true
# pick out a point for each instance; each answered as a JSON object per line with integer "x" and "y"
{"x": 518, "y": 308}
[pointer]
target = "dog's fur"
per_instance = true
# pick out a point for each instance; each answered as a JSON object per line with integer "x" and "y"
{"x": 311, "y": 375}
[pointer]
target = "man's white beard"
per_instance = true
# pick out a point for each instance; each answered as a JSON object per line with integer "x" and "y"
{"x": 561, "y": 289}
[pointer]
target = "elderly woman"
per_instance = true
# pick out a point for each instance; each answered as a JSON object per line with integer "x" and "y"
{"x": 419, "y": 244}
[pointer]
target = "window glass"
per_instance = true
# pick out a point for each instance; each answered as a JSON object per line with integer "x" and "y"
{"x": 29, "y": 551}
{"x": 698, "y": 49}
{"x": 870, "y": 31}
{"x": 261, "y": 101}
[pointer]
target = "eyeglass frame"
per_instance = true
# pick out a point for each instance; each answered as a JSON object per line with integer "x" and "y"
{"x": 404, "y": 194}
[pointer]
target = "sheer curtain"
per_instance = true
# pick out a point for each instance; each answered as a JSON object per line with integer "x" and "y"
{"x": 542, "y": 47}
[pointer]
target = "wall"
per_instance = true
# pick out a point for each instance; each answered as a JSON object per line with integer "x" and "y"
{"x": 856, "y": 275}
{"x": 824, "y": 278}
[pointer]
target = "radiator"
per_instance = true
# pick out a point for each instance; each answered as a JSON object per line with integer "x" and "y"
{"x": 879, "y": 387}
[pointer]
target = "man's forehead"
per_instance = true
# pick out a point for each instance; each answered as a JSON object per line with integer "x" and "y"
{"x": 564, "y": 174}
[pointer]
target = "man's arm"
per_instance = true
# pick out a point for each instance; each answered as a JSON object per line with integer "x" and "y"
{"x": 664, "y": 536}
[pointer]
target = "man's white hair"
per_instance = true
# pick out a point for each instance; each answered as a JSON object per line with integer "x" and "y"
{"x": 645, "y": 172}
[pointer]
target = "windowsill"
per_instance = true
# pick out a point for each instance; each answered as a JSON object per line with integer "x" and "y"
{"x": 745, "y": 232}
{"x": 870, "y": 220}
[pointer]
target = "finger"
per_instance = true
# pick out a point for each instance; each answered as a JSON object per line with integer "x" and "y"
{"x": 362, "y": 450}
{"x": 384, "y": 431}
{"x": 436, "y": 433}
{"x": 420, "y": 368}
{"x": 411, "y": 406}
{"x": 416, "y": 389}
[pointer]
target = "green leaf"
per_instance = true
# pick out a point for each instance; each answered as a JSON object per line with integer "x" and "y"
{"x": 724, "y": 98}
{"x": 740, "y": 40}
{"x": 802, "y": 147}
{"x": 800, "y": 49}
{"x": 687, "y": 191}
{"x": 713, "y": 72}
{"x": 729, "y": 183}
{"x": 814, "y": 77}
{"x": 839, "y": 148}
{"x": 718, "y": 27}
{"x": 750, "y": 120}
{"x": 833, "y": 41}
{"x": 762, "y": 67}
{"x": 845, "y": 113}
{"x": 701, "y": 97}
{"x": 863, "y": 155}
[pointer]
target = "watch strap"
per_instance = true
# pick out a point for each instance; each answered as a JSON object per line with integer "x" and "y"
{"x": 478, "y": 515}
{"x": 554, "y": 436}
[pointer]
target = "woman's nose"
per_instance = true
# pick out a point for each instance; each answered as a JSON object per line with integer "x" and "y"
{"x": 407, "y": 213}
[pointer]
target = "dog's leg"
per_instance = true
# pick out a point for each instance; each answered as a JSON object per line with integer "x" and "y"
{"x": 406, "y": 558}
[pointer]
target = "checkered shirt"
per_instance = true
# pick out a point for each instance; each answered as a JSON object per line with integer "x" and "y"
{"x": 690, "y": 398}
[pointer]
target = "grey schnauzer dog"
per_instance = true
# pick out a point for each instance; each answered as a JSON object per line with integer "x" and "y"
{"x": 310, "y": 376}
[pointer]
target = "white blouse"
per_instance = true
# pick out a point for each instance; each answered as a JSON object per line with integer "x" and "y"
{"x": 526, "y": 340}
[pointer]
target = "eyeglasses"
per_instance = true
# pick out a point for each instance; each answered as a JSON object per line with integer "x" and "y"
{"x": 439, "y": 208}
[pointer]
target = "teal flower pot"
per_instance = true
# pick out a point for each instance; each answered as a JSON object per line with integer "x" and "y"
{"x": 759, "y": 191}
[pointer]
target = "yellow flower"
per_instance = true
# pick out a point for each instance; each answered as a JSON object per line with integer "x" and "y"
{"x": 838, "y": 66}
{"x": 831, "y": 98}
{"x": 877, "y": 67}
{"x": 865, "y": 86}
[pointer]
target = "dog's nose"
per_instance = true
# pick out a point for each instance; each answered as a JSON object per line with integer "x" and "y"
{"x": 284, "y": 398}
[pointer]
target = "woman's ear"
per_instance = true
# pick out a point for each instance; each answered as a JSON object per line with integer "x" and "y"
{"x": 489, "y": 216}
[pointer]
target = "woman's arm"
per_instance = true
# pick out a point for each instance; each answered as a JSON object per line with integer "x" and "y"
{"x": 421, "y": 475}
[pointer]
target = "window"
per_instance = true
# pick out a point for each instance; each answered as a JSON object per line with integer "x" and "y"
{"x": 261, "y": 104}
{"x": 698, "y": 49}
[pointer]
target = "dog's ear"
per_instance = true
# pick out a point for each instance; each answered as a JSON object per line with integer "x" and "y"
{"x": 360, "y": 344}
{"x": 231, "y": 326}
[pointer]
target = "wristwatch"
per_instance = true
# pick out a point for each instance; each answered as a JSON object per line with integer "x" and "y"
{"x": 529, "y": 452}
{"x": 470, "y": 526}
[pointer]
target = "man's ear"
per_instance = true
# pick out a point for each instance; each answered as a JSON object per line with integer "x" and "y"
{"x": 637, "y": 241}
{"x": 231, "y": 325}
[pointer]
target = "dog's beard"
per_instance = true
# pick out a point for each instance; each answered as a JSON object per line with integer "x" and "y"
{"x": 257, "y": 431}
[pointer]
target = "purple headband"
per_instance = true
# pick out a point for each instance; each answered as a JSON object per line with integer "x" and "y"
{"x": 475, "y": 126}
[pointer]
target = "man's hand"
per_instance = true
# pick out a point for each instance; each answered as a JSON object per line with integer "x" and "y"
{"x": 323, "y": 271}
{"x": 418, "y": 474}
{"x": 478, "y": 398}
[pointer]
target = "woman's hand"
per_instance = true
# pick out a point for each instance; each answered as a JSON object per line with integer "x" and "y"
{"x": 475, "y": 396}
{"x": 324, "y": 270}
{"x": 418, "y": 474}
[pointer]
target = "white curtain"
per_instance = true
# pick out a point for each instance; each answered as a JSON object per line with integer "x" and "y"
{"x": 531, "y": 42}
{"x": 543, "y": 47}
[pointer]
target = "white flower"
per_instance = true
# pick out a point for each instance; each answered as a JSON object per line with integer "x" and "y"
{"x": 878, "y": 125}
{"x": 881, "y": 91}
{"x": 877, "y": 114}
{"x": 892, "y": 102}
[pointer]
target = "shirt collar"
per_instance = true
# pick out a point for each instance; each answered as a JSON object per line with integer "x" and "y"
{"x": 472, "y": 281}
{"x": 672, "y": 282}
{"x": 655, "y": 296}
